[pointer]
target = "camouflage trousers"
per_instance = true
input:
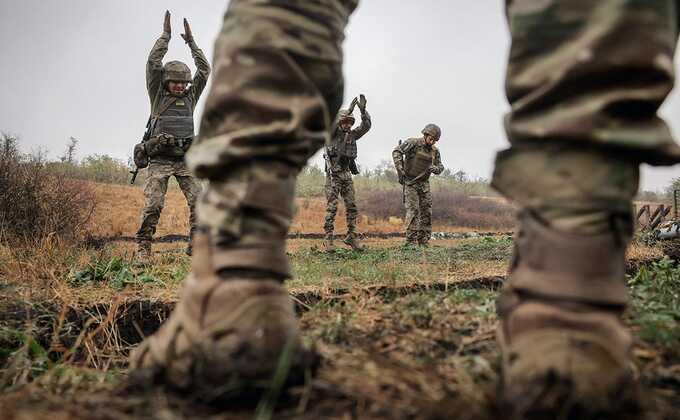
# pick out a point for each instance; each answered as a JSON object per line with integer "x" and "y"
{"x": 418, "y": 201}
{"x": 584, "y": 81}
{"x": 156, "y": 186}
{"x": 340, "y": 184}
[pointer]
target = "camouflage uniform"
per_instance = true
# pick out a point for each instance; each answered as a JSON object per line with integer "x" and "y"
{"x": 167, "y": 161}
{"x": 585, "y": 80}
{"x": 339, "y": 174}
{"x": 417, "y": 195}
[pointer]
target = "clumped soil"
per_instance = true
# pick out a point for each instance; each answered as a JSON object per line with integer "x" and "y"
{"x": 412, "y": 352}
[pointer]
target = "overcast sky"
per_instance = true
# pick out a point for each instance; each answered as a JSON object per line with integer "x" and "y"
{"x": 77, "y": 67}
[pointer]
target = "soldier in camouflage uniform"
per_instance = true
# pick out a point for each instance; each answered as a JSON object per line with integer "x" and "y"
{"x": 415, "y": 159}
{"x": 585, "y": 80}
{"x": 340, "y": 156}
{"x": 172, "y": 123}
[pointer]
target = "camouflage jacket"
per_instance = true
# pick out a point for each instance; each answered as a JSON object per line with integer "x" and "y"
{"x": 342, "y": 149}
{"x": 154, "y": 73}
{"x": 408, "y": 150}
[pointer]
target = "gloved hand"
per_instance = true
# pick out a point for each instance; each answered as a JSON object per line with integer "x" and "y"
{"x": 362, "y": 103}
{"x": 167, "y": 28}
{"x": 402, "y": 178}
{"x": 352, "y": 105}
{"x": 187, "y": 35}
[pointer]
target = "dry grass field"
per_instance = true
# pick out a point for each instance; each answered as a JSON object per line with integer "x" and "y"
{"x": 119, "y": 206}
{"x": 402, "y": 334}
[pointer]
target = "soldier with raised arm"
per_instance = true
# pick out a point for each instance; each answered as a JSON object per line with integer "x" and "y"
{"x": 340, "y": 156}
{"x": 173, "y": 94}
{"x": 415, "y": 160}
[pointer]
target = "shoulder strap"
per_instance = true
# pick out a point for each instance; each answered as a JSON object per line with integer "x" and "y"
{"x": 163, "y": 108}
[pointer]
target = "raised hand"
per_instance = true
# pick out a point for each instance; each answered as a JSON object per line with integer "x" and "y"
{"x": 167, "y": 28}
{"x": 362, "y": 102}
{"x": 352, "y": 105}
{"x": 187, "y": 35}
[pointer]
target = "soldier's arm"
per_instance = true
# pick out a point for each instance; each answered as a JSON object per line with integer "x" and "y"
{"x": 154, "y": 65}
{"x": 398, "y": 157}
{"x": 202, "y": 70}
{"x": 364, "y": 126}
{"x": 437, "y": 167}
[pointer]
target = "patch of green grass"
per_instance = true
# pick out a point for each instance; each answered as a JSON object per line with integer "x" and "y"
{"x": 391, "y": 266}
{"x": 118, "y": 273}
{"x": 655, "y": 291}
{"x": 23, "y": 359}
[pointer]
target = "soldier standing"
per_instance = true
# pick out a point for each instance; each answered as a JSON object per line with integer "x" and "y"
{"x": 173, "y": 94}
{"x": 340, "y": 157}
{"x": 415, "y": 159}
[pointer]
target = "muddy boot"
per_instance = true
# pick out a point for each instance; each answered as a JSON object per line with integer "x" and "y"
{"x": 352, "y": 241}
{"x": 143, "y": 254}
{"x": 225, "y": 339}
{"x": 565, "y": 349}
{"x": 328, "y": 243}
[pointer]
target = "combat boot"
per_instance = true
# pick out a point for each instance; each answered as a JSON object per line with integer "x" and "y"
{"x": 424, "y": 239}
{"x": 143, "y": 255}
{"x": 225, "y": 339}
{"x": 352, "y": 241}
{"x": 328, "y": 243}
{"x": 565, "y": 349}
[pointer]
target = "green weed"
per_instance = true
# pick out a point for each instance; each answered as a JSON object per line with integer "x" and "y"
{"x": 655, "y": 291}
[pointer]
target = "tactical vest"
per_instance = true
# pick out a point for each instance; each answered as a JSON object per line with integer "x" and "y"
{"x": 346, "y": 145}
{"x": 419, "y": 163}
{"x": 343, "y": 151}
{"x": 176, "y": 121}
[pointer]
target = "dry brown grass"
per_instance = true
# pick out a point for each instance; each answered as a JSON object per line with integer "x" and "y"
{"x": 120, "y": 206}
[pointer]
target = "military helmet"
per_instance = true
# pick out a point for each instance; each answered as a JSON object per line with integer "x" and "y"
{"x": 344, "y": 114}
{"x": 433, "y": 130}
{"x": 176, "y": 71}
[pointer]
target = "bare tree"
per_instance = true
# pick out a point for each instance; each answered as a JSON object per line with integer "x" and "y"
{"x": 70, "y": 154}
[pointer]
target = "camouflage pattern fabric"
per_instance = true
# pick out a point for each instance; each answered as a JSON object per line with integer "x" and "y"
{"x": 154, "y": 73}
{"x": 155, "y": 188}
{"x": 584, "y": 106}
{"x": 418, "y": 200}
{"x": 340, "y": 184}
{"x": 254, "y": 141}
{"x": 343, "y": 144}
{"x": 407, "y": 150}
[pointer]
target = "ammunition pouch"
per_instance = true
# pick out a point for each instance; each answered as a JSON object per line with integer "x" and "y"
{"x": 167, "y": 146}
{"x": 140, "y": 156}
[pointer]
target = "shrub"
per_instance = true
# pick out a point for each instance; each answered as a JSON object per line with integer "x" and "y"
{"x": 38, "y": 200}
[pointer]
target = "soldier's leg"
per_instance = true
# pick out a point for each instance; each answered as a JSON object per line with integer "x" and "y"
{"x": 585, "y": 80}
{"x": 425, "y": 214}
{"x": 349, "y": 196}
{"x": 191, "y": 188}
{"x": 278, "y": 83}
{"x": 412, "y": 221}
{"x": 155, "y": 188}
{"x": 333, "y": 191}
